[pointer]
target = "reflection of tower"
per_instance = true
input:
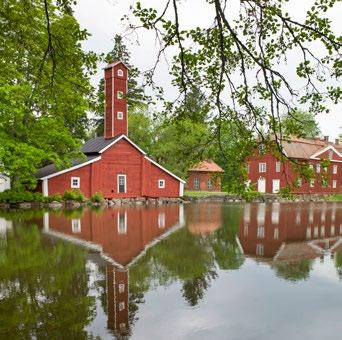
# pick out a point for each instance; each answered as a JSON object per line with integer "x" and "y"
{"x": 117, "y": 300}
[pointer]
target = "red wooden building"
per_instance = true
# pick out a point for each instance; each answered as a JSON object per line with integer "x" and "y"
{"x": 114, "y": 165}
{"x": 268, "y": 174}
{"x": 205, "y": 176}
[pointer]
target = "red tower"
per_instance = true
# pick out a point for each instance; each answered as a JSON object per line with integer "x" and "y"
{"x": 116, "y": 120}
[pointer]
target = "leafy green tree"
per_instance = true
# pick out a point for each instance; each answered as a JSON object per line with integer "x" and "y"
{"x": 135, "y": 95}
{"x": 294, "y": 271}
{"x": 45, "y": 88}
{"x": 301, "y": 124}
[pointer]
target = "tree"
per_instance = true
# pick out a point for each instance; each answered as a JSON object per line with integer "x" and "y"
{"x": 239, "y": 62}
{"x": 301, "y": 124}
{"x": 135, "y": 94}
{"x": 45, "y": 90}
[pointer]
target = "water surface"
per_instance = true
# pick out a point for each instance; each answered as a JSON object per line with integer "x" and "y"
{"x": 199, "y": 271}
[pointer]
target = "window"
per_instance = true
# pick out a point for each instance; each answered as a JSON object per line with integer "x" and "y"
{"x": 318, "y": 168}
{"x": 75, "y": 182}
{"x": 334, "y": 183}
{"x": 119, "y": 94}
{"x": 121, "y": 288}
{"x": 335, "y": 169}
{"x": 76, "y": 225}
{"x": 278, "y": 164}
{"x": 121, "y": 306}
{"x": 312, "y": 183}
{"x": 161, "y": 220}
{"x": 260, "y": 249}
{"x": 262, "y": 167}
{"x": 276, "y": 233}
{"x": 120, "y": 115}
{"x": 121, "y": 183}
{"x": 330, "y": 154}
{"x": 120, "y": 72}
{"x": 196, "y": 183}
{"x": 161, "y": 183}
{"x": 261, "y": 232}
{"x": 210, "y": 184}
{"x": 122, "y": 222}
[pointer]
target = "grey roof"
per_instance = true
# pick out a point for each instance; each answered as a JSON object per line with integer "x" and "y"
{"x": 95, "y": 145}
{"x": 51, "y": 168}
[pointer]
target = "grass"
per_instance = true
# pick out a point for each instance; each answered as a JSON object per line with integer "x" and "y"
{"x": 336, "y": 197}
{"x": 203, "y": 193}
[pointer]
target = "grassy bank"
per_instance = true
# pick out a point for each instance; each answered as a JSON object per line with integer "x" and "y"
{"x": 203, "y": 193}
{"x": 336, "y": 197}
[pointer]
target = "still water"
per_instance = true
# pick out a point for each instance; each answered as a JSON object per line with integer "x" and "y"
{"x": 199, "y": 271}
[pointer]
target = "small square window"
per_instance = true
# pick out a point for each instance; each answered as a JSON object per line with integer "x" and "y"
{"x": 119, "y": 94}
{"x": 161, "y": 183}
{"x": 120, "y": 115}
{"x": 120, "y": 72}
{"x": 75, "y": 182}
{"x": 262, "y": 167}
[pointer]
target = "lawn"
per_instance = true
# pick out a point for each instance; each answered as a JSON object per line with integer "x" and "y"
{"x": 336, "y": 197}
{"x": 203, "y": 193}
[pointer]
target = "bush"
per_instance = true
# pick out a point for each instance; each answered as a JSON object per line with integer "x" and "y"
{"x": 16, "y": 196}
{"x": 53, "y": 198}
{"x": 97, "y": 197}
{"x": 73, "y": 195}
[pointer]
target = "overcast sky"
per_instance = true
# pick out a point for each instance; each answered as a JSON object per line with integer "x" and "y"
{"x": 102, "y": 19}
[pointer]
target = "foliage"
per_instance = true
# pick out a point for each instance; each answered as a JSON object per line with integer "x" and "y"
{"x": 73, "y": 195}
{"x": 97, "y": 197}
{"x": 16, "y": 196}
{"x": 53, "y": 198}
{"x": 203, "y": 193}
{"x": 301, "y": 124}
{"x": 249, "y": 194}
{"x": 294, "y": 271}
{"x": 45, "y": 90}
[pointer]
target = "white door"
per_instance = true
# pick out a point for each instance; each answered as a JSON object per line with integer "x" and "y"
{"x": 262, "y": 185}
{"x": 275, "y": 186}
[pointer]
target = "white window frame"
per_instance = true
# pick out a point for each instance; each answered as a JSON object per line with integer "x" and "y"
{"x": 196, "y": 183}
{"x": 120, "y": 73}
{"x": 119, "y": 95}
{"x": 161, "y": 220}
{"x": 122, "y": 229}
{"x": 335, "y": 169}
{"x": 259, "y": 249}
{"x": 210, "y": 184}
{"x": 334, "y": 183}
{"x": 119, "y": 115}
{"x": 76, "y": 225}
{"x": 161, "y": 183}
{"x": 118, "y": 182}
{"x": 122, "y": 306}
{"x": 75, "y": 186}
{"x": 121, "y": 288}
{"x": 278, "y": 166}
{"x": 318, "y": 168}
{"x": 262, "y": 167}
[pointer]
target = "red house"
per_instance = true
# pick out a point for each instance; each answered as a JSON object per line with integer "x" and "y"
{"x": 269, "y": 174}
{"x": 205, "y": 176}
{"x": 114, "y": 165}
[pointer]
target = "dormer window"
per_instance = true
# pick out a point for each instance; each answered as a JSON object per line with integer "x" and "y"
{"x": 120, "y": 72}
{"x": 119, "y": 94}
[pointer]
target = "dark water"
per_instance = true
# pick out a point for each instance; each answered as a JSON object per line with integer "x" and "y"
{"x": 200, "y": 271}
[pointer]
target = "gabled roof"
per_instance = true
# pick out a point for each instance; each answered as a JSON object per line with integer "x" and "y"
{"x": 95, "y": 145}
{"x": 207, "y": 166}
{"x": 114, "y": 63}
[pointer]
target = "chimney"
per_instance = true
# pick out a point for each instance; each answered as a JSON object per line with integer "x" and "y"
{"x": 337, "y": 141}
{"x": 115, "y": 115}
{"x": 326, "y": 138}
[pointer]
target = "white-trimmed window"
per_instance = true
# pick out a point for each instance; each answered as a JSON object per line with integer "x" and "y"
{"x": 260, "y": 249}
{"x": 334, "y": 183}
{"x": 121, "y": 288}
{"x": 210, "y": 184}
{"x": 122, "y": 222}
{"x": 278, "y": 165}
{"x": 261, "y": 232}
{"x": 318, "y": 168}
{"x": 335, "y": 169}
{"x": 119, "y": 115}
{"x": 75, "y": 182}
{"x": 196, "y": 183}
{"x": 119, "y": 94}
{"x": 262, "y": 167}
{"x": 161, "y": 183}
{"x": 76, "y": 225}
{"x": 121, "y": 306}
{"x": 161, "y": 220}
{"x": 122, "y": 183}
{"x": 120, "y": 72}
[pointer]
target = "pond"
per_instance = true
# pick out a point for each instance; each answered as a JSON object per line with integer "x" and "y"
{"x": 198, "y": 271}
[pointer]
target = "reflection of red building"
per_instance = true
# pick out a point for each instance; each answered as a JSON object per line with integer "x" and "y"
{"x": 120, "y": 235}
{"x": 289, "y": 231}
{"x": 204, "y": 218}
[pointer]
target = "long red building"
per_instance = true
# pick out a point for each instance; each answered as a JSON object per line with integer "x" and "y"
{"x": 114, "y": 165}
{"x": 268, "y": 174}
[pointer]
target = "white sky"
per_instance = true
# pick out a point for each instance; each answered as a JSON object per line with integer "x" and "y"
{"x": 102, "y": 19}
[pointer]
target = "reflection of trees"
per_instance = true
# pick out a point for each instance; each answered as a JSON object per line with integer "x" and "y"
{"x": 338, "y": 264}
{"x": 43, "y": 288}
{"x": 293, "y": 271}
